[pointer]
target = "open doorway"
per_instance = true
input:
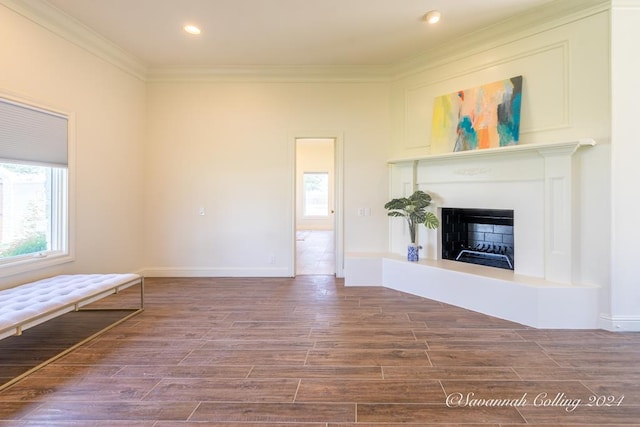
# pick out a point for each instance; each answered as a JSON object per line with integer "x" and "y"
{"x": 315, "y": 206}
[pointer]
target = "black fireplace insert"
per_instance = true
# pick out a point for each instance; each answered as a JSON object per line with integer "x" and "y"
{"x": 478, "y": 236}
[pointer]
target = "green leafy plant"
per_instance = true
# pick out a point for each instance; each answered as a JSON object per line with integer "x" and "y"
{"x": 32, "y": 244}
{"x": 413, "y": 209}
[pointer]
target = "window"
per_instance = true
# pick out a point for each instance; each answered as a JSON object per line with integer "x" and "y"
{"x": 34, "y": 187}
{"x": 315, "y": 195}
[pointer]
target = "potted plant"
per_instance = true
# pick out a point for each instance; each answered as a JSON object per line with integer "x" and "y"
{"x": 413, "y": 209}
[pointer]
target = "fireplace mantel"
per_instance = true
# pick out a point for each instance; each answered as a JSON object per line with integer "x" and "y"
{"x": 536, "y": 181}
{"x": 568, "y": 147}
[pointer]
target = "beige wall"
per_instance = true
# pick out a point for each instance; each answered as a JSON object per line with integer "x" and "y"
{"x": 229, "y": 147}
{"x": 109, "y": 110}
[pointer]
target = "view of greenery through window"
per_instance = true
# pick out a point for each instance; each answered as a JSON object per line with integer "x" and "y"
{"x": 316, "y": 193}
{"x": 25, "y": 200}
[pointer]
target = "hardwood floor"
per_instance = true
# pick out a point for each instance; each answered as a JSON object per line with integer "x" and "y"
{"x": 310, "y": 352}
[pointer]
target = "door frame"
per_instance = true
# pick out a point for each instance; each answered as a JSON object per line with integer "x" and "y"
{"x": 338, "y": 195}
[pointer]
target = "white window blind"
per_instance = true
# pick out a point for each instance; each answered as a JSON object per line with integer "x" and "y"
{"x": 32, "y": 135}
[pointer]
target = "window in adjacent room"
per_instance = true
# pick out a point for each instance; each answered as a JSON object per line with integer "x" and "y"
{"x": 315, "y": 196}
{"x": 34, "y": 187}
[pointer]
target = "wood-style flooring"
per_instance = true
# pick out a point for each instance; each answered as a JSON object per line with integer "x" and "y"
{"x": 310, "y": 352}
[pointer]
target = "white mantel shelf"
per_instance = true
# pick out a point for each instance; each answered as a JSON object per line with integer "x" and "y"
{"x": 568, "y": 146}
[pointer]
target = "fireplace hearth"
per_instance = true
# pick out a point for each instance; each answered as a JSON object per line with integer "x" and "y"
{"x": 478, "y": 236}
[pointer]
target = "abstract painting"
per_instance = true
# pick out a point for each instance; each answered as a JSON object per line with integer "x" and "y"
{"x": 487, "y": 116}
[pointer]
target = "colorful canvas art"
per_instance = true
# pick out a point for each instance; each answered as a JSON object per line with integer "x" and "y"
{"x": 483, "y": 117}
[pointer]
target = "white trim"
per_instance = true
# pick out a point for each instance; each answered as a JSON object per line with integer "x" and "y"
{"x": 68, "y": 207}
{"x": 338, "y": 194}
{"x": 261, "y": 74}
{"x": 53, "y": 19}
{"x": 620, "y": 323}
{"x": 529, "y": 23}
{"x": 567, "y": 146}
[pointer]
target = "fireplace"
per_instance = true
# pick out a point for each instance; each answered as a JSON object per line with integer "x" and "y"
{"x": 478, "y": 236}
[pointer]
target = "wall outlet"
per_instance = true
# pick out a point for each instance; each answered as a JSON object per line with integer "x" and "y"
{"x": 272, "y": 259}
{"x": 201, "y": 212}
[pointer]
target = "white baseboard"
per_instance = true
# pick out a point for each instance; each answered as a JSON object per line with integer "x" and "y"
{"x": 620, "y": 323}
{"x": 214, "y": 272}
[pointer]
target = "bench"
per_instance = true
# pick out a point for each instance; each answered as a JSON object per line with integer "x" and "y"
{"x": 30, "y": 304}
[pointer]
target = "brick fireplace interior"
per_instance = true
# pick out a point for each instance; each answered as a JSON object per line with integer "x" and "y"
{"x": 478, "y": 236}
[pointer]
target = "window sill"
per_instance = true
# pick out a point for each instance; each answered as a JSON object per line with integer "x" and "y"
{"x": 34, "y": 263}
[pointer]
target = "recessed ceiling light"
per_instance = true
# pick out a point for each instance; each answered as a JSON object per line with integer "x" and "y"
{"x": 192, "y": 29}
{"x": 432, "y": 17}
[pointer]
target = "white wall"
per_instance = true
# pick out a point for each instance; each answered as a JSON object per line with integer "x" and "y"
{"x": 565, "y": 72}
{"x": 109, "y": 109}
{"x": 228, "y": 147}
{"x": 624, "y": 305}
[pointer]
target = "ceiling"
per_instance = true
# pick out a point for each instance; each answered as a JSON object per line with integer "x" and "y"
{"x": 274, "y": 33}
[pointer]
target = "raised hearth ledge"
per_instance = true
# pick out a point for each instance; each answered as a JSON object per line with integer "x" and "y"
{"x": 571, "y": 146}
{"x": 496, "y": 292}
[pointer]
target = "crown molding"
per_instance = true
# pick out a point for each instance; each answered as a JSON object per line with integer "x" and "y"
{"x": 53, "y": 19}
{"x": 526, "y": 24}
{"x": 301, "y": 74}
{"x": 544, "y": 18}
{"x": 517, "y": 27}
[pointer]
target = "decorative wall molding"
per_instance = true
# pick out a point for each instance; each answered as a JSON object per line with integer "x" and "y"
{"x": 418, "y": 97}
{"x": 541, "y": 19}
{"x": 472, "y": 171}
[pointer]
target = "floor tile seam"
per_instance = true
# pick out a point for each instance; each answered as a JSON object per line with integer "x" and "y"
{"x": 426, "y": 351}
{"x": 295, "y": 394}
{"x": 524, "y": 419}
{"x": 546, "y": 353}
{"x": 193, "y": 412}
{"x": 515, "y": 371}
{"x": 444, "y": 391}
{"x": 183, "y": 361}
{"x": 382, "y": 381}
{"x": 440, "y": 365}
{"x": 251, "y": 369}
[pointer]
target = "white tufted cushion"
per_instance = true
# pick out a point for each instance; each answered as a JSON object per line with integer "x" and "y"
{"x": 56, "y": 295}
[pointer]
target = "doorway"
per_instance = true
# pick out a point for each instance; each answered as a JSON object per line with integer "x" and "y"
{"x": 315, "y": 206}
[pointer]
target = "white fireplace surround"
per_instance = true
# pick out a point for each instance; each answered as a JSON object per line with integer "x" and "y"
{"x": 536, "y": 181}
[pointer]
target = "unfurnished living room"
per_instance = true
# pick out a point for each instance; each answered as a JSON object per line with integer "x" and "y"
{"x": 319, "y": 213}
